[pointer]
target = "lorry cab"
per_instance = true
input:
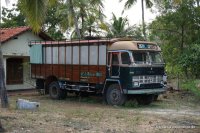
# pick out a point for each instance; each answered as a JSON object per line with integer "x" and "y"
{"x": 138, "y": 68}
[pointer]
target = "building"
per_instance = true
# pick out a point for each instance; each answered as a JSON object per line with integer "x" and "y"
{"x": 16, "y": 56}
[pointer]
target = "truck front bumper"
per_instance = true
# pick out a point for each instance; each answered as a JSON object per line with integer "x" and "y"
{"x": 146, "y": 91}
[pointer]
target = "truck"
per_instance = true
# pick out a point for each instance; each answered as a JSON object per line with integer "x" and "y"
{"x": 117, "y": 69}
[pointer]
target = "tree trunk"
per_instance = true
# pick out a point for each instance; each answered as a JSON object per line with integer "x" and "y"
{"x": 75, "y": 19}
{"x": 197, "y": 3}
{"x": 182, "y": 38}
{"x": 143, "y": 23}
{"x": 83, "y": 22}
{"x": 3, "y": 92}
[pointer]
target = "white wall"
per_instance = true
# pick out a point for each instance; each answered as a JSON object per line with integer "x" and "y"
{"x": 19, "y": 48}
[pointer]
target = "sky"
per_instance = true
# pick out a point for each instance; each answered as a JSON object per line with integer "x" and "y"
{"x": 134, "y": 14}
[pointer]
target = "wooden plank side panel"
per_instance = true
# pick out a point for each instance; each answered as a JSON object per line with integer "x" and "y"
{"x": 61, "y": 71}
{"x": 93, "y": 69}
{"x": 48, "y": 69}
{"x": 43, "y": 70}
{"x": 68, "y": 72}
{"x": 102, "y": 69}
{"x": 75, "y": 73}
{"x": 93, "y": 73}
{"x": 55, "y": 70}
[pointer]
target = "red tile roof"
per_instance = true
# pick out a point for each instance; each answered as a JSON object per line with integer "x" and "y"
{"x": 9, "y": 33}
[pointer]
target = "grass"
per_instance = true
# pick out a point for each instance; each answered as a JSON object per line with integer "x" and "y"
{"x": 89, "y": 115}
{"x": 192, "y": 85}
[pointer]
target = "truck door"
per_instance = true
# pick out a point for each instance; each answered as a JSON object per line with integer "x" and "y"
{"x": 115, "y": 68}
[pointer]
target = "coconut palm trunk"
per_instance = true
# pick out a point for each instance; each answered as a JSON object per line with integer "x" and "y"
{"x": 148, "y": 3}
{"x": 197, "y": 3}
{"x": 143, "y": 22}
{"x": 75, "y": 19}
{"x": 3, "y": 92}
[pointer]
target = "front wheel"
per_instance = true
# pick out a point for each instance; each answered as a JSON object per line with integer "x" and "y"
{"x": 114, "y": 96}
{"x": 56, "y": 92}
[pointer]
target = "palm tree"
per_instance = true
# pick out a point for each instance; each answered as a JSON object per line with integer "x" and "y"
{"x": 70, "y": 10}
{"x": 119, "y": 27}
{"x": 149, "y": 4}
{"x": 91, "y": 16}
{"x": 3, "y": 92}
{"x": 35, "y": 12}
{"x": 84, "y": 11}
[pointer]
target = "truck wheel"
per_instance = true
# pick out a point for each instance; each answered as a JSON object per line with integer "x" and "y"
{"x": 145, "y": 99}
{"x": 114, "y": 96}
{"x": 56, "y": 92}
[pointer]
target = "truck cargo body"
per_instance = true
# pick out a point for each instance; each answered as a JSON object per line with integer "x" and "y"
{"x": 95, "y": 66}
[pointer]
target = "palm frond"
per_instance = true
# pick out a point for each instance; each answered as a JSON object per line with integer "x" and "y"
{"x": 149, "y": 3}
{"x": 129, "y": 3}
{"x": 35, "y": 12}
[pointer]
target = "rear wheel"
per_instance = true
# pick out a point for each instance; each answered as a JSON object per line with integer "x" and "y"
{"x": 145, "y": 99}
{"x": 114, "y": 96}
{"x": 56, "y": 92}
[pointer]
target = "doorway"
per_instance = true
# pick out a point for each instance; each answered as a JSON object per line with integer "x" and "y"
{"x": 14, "y": 71}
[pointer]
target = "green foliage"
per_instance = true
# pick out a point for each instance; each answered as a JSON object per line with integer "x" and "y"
{"x": 177, "y": 29}
{"x": 190, "y": 60}
{"x": 119, "y": 27}
{"x": 51, "y": 24}
{"x": 35, "y": 12}
{"x": 192, "y": 85}
{"x": 149, "y": 4}
{"x": 12, "y": 18}
{"x": 82, "y": 16}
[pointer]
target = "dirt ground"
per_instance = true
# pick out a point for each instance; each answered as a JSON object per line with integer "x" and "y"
{"x": 177, "y": 112}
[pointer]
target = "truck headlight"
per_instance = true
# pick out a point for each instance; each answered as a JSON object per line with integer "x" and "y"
{"x": 136, "y": 84}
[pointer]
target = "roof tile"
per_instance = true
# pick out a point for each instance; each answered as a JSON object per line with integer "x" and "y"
{"x": 8, "y": 33}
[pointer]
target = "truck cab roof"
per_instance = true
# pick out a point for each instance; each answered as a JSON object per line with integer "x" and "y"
{"x": 134, "y": 45}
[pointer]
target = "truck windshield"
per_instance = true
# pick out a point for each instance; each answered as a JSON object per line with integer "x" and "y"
{"x": 156, "y": 57}
{"x": 140, "y": 57}
{"x": 144, "y": 57}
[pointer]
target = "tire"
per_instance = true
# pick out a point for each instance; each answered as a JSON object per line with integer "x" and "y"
{"x": 145, "y": 99}
{"x": 56, "y": 92}
{"x": 114, "y": 96}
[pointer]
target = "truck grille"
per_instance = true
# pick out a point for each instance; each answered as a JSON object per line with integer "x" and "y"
{"x": 148, "y": 79}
